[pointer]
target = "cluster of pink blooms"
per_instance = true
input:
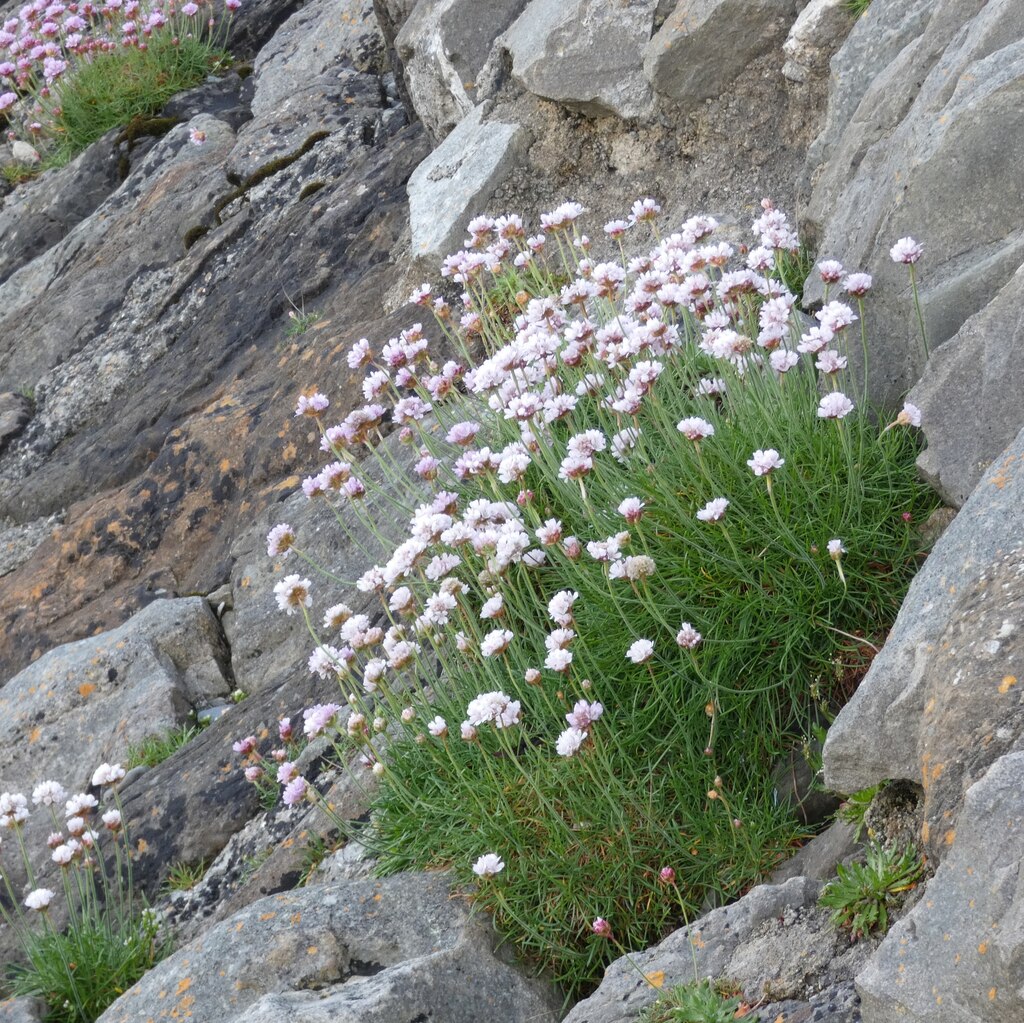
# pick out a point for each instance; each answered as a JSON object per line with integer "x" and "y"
{"x": 555, "y": 401}
{"x": 49, "y": 38}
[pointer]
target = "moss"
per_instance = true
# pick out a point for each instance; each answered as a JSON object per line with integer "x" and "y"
{"x": 193, "y": 234}
{"x": 268, "y": 170}
{"x": 311, "y": 188}
{"x": 146, "y": 127}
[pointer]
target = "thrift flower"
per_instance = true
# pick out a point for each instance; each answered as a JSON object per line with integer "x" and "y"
{"x": 764, "y": 462}
{"x": 495, "y": 642}
{"x": 601, "y": 927}
{"x": 570, "y": 741}
{"x": 713, "y": 510}
{"x": 640, "y": 651}
{"x": 834, "y": 406}
{"x": 488, "y": 865}
{"x": 858, "y": 285}
{"x": 280, "y": 540}
{"x": 295, "y": 791}
{"x": 910, "y": 415}
{"x": 39, "y": 899}
{"x": 907, "y": 251}
{"x": 48, "y": 793}
{"x": 695, "y": 428}
{"x": 108, "y": 774}
{"x": 438, "y": 727}
{"x": 495, "y": 707}
{"x": 688, "y": 637}
{"x": 292, "y": 593}
{"x": 632, "y": 509}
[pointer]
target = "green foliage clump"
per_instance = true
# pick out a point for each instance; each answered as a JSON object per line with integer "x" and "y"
{"x": 183, "y": 877}
{"x": 699, "y": 1002}
{"x": 155, "y": 749}
{"x": 864, "y": 894}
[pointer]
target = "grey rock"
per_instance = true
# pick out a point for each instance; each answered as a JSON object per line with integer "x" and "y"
{"x": 705, "y": 45}
{"x": 366, "y": 951}
{"x": 452, "y": 184}
{"x": 93, "y": 266}
{"x": 949, "y": 652}
{"x": 969, "y": 395}
{"x": 318, "y": 73}
{"x": 443, "y": 46}
{"x": 955, "y": 958}
{"x": 85, "y": 702}
{"x": 817, "y": 33}
{"x": 350, "y": 863}
{"x": 23, "y": 153}
{"x": 18, "y": 541}
{"x": 22, "y": 1010}
{"x": 42, "y": 211}
{"x": 15, "y": 412}
{"x": 942, "y": 124}
{"x": 775, "y": 944}
{"x": 585, "y": 54}
{"x": 819, "y": 858}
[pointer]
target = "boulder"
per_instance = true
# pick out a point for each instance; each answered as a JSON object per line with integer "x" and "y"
{"x": 943, "y": 698}
{"x": 939, "y": 122}
{"x": 85, "y": 702}
{"x": 22, "y": 1010}
{"x": 775, "y": 945}
{"x": 443, "y": 46}
{"x": 318, "y": 73}
{"x": 969, "y": 395}
{"x": 956, "y": 956}
{"x": 704, "y": 46}
{"x": 15, "y": 412}
{"x": 456, "y": 181}
{"x": 585, "y": 54}
{"x": 352, "y": 952}
{"x": 817, "y": 33}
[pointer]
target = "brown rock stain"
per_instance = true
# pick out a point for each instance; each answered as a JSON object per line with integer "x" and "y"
{"x": 1007, "y": 682}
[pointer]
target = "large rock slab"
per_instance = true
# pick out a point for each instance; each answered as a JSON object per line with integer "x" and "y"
{"x": 317, "y": 73}
{"x": 970, "y": 395}
{"x": 443, "y": 46}
{"x": 955, "y": 958}
{"x": 817, "y": 33}
{"x": 455, "y": 182}
{"x": 85, "y": 702}
{"x": 353, "y": 952}
{"x": 940, "y": 127}
{"x": 586, "y": 54}
{"x": 943, "y": 698}
{"x": 704, "y": 46}
{"x": 774, "y": 944}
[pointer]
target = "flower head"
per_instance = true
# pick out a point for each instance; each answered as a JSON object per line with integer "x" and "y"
{"x": 292, "y": 593}
{"x": 836, "y": 549}
{"x": 108, "y": 774}
{"x": 695, "y": 428}
{"x": 834, "y": 405}
{"x": 713, "y": 510}
{"x": 280, "y": 540}
{"x": 570, "y": 741}
{"x": 48, "y": 793}
{"x": 39, "y": 899}
{"x": 640, "y": 651}
{"x": 601, "y": 927}
{"x": 907, "y": 251}
{"x": 909, "y": 415}
{"x": 764, "y": 462}
{"x": 688, "y": 637}
{"x": 488, "y": 865}
{"x": 295, "y": 791}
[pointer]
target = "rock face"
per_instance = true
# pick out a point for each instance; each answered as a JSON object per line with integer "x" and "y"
{"x": 449, "y": 186}
{"x": 704, "y": 45}
{"x": 86, "y": 702}
{"x": 956, "y": 955}
{"x": 584, "y": 53}
{"x": 814, "y": 38}
{"x": 443, "y": 46}
{"x": 775, "y": 944}
{"x": 970, "y": 395}
{"x": 352, "y": 952}
{"x": 925, "y": 110}
{"x": 942, "y": 699}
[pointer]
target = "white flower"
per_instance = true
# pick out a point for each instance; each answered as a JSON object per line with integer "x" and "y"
{"x": 713, "y": 510}
{"x": 688, "y": 637}
{"x": 82, "y": 803}
{"x": 695, "y": 428}
{"x": 493, "y": 607}
{"x": 765, "y": 461}
{"x": 39, "y": 899}
{"x": 906, "y": 250}
{"x": 910, "y": 415}
{"x": 494, "y": 707}
{"x": 438, "y": 727}
{"x": 836, "y": 549}
{"x": 570, "y": 741}
{"x": 834, "y": 405}
{"x": 292, "y": 593}
{"x": 495, "y": 642}
{"x": 642, "y": 650}
{"x": 107, "y": 774}
{"x": 488, "y": 865}
{"x": 558, "y": 660}
{"x": 49, "y": 793}
{"x": 560, "y": 607}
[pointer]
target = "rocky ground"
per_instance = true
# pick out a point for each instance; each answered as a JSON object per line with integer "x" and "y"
{"x": 148, "y": 374}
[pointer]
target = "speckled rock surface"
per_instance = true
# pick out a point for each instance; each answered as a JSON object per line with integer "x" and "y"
{"x": 366, "y": 951}
{"x": 943, "y": 698}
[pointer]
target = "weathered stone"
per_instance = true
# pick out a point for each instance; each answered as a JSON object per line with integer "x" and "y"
{"x": 23, "y": 153}
{"x": 15, "y": 412}
{"x": 85, "y": 702}
{"x": 819, "y": 858}
{"x": 586, "y": 54}
{"x": 941, "y": 700}
{"x": 366, "y": 951}
{"x": 705, "y": 45}
{"x": 457, "y": 179}
{"x": 22, "y": 1010}
{"x": 969, "y": 395}
{"x": 317, "y": 74}
{"x": 443, "y": 46}
{"x": 774, "y": 944}
{"x": 17, "y": 542}
{"x": 42, "y": 211}
{"x": 817, "y": 33}
{"x": 943, "y": 121}
{"x": 956, "y": 956}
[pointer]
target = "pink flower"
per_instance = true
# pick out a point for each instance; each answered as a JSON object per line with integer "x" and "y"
{"x": 493, "y": 707}
{"x": 601, "y": 927}
{"x": 438, "y": 727}
{"x": 584, "y": 714}
{"x": 688, "y": 637}
{"x": 318, "y": 718}
{"x": 836, "y": 549}
{"x": 632, "y": 509}
{"x": 910, "y": 415}
{"x": 667, "y": 875}
{"x": 570, "y": 741}
{"x": 295, "y": 791}
{"x": 495, "y": 642}
{"x": 245, "y": 746}
{"x": 488, "y": 865}
{"x": 830, "y": 271}
{"x": 713, "y": 510}
{"x": 695, "y": 428}
{"x": 858, "y": 285}
{"x": 834, "y": 406}
{"x": 764, "y": 462}
{"x": 907, "y": 251}
{"x": 39, "y": 899}
{"x": 196, "y": 137}
{"x": 280, "y": 540}
{"x": 311, "y": 405}
{"x": 292, "y": 593}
